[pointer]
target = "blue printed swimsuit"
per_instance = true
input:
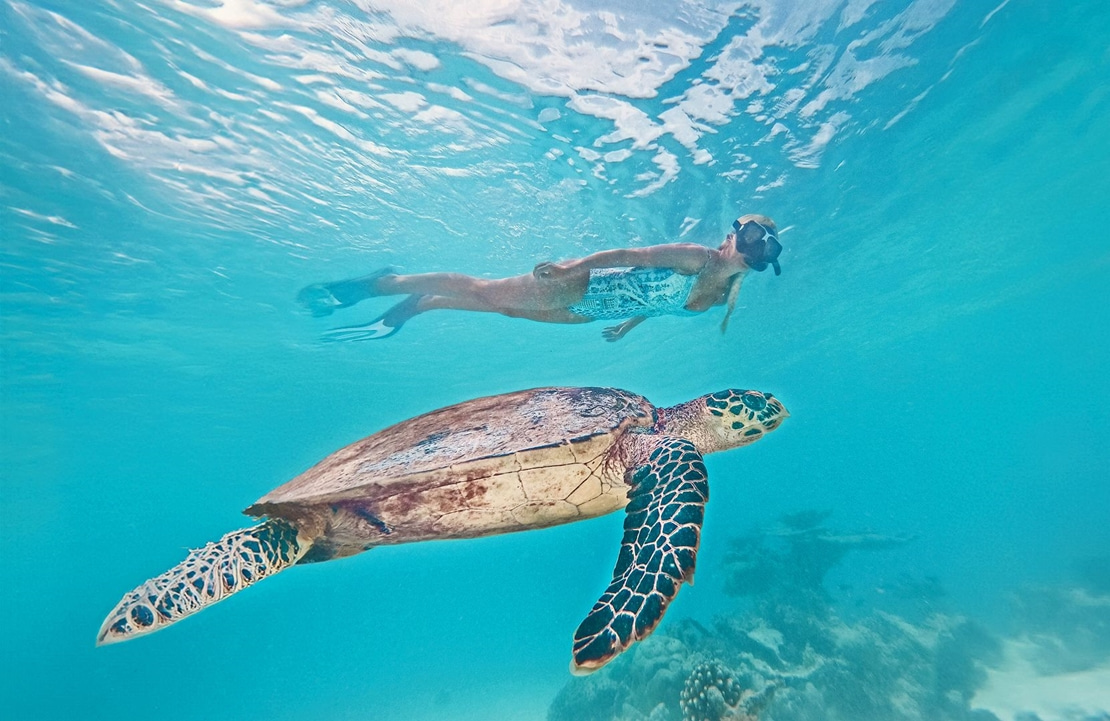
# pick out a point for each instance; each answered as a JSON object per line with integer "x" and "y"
{"x": 620, "y": 293}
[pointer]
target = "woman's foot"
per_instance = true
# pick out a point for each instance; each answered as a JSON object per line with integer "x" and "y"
{"x": 382, "y": 327}
{"x": 322, "y": 299}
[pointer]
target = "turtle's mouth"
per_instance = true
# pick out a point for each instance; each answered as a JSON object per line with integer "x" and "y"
{"x": 777, "y": 409}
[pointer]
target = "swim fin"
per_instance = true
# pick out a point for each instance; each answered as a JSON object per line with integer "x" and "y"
{"x": 322, "y": 299}
{"x": 383, "y": 326}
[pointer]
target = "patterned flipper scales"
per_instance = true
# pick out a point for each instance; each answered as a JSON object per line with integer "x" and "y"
{"x": 207, "y": 575}
{"x": 662, "y": 528}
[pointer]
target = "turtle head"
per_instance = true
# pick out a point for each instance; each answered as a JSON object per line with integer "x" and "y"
{"x": 726, "y": 419}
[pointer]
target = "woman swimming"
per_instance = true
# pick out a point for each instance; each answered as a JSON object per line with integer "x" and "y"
{"x": 628, "y": 284}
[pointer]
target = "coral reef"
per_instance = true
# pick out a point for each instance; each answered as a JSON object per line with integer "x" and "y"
{"x": 1069, "y": 625}
{"x": 714, "y": 693}
{"x": 789, "y": 656}
{"x": 789, "y": 652}
{"x": 1056, "y": 665}
{"x": 788, "y": 564}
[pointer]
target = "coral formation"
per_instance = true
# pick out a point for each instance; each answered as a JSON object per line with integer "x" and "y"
{"x": 714, "y": 693}
{"x": 1056, "y": 665}
{"x": 790, "y": 652}
{"x": 788, "y": 564}
{"x": 789, "y": 656}
{"x": 1068, "y": 625}
{"x": 711, "y": 693}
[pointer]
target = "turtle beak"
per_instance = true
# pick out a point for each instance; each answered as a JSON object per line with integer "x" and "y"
{"x": 780, "y": 410}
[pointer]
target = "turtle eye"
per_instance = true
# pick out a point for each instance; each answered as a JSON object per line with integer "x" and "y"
{"x": 754, "y": 401}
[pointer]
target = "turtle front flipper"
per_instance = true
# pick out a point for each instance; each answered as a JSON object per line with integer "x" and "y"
{"x": 207, "y": 575}
{"x": 662, "y": 528}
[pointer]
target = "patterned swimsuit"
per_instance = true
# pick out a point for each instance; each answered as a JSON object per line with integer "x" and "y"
{"x": 620, "y": 293}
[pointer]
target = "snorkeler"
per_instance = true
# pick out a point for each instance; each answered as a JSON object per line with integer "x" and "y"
{"x": 629, "y": 284}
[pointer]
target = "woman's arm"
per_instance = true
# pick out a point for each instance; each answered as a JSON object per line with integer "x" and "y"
{"x": 685, "y": 258}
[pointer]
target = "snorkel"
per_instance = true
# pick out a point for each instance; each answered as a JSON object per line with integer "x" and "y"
{"x": 756, "y": 238}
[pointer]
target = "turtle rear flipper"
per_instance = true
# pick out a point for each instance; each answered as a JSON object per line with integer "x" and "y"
{"x": 207, "y": 575}
{"x": 662, "y": 528}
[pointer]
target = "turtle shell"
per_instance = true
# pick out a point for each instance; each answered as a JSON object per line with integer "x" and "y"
{"x": 527, "y": 429}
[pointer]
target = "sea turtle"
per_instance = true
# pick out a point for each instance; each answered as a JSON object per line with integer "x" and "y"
{"x": 511, "y": 462}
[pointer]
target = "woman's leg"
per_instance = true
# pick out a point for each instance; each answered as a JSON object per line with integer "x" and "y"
{"x": 391, "y": 321}
{"x": 550, "y": 315}
{"x": 519, "y": 293}
{"x": 508, "y": 296}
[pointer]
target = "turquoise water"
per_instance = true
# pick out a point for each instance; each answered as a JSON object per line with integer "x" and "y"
{"x": 173, "y": 172}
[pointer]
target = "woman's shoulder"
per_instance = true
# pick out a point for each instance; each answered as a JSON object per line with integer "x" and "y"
{"x": 687, "y": 257}
{"x": 688, "y": 247}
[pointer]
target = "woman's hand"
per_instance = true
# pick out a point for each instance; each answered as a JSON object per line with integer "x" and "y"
{"x": 616, "y": 332}
{"x": 550, "y": 271}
